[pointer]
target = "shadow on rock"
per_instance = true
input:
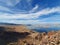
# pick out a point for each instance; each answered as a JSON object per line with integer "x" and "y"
{"x": 9, "y": 37}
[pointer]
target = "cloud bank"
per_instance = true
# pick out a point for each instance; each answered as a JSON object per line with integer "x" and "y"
{"x": 22, "y": 16}
{"x": 27, "y": 18}
{"x": 30, "y": 15}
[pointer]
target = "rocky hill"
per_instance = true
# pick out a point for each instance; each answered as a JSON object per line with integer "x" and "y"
{"x": 20, "y": 35}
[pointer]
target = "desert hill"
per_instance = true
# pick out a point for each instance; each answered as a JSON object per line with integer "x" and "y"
{"x": 20, "y": 35}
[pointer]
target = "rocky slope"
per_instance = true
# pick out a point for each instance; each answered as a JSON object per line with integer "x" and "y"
{"x": 20, "y": 35}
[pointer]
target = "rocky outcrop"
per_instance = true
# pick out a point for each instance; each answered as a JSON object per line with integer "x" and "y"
{"x": 20, "y": 35}
{"x": 52, "y": 38}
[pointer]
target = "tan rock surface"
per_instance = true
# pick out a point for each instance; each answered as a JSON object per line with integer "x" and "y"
{"x": 20, "y": 35}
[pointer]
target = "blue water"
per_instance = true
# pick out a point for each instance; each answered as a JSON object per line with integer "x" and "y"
{"x": 44, "y": 29}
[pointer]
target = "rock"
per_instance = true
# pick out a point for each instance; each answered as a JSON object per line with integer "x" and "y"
{"x": 20, "y": 35}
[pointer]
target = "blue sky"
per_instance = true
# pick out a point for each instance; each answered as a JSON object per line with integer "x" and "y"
{"x": 30, "y": 11}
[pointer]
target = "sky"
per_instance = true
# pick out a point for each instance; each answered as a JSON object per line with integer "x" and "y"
{"x": 29, "y": 11}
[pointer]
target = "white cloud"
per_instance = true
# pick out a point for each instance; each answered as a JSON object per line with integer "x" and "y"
{"x": 5, "y": 9}
{"x": 21, "y": 21}
{"x": 48, "y": 11}
{"x": 34, "y": 9}
{"x": 10, "y": 2}
{"x": 55, "y": 18}
{"x": 27, "y": 21}
{"x": 4, "y": 17}
{"x": 31, "y": 15}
